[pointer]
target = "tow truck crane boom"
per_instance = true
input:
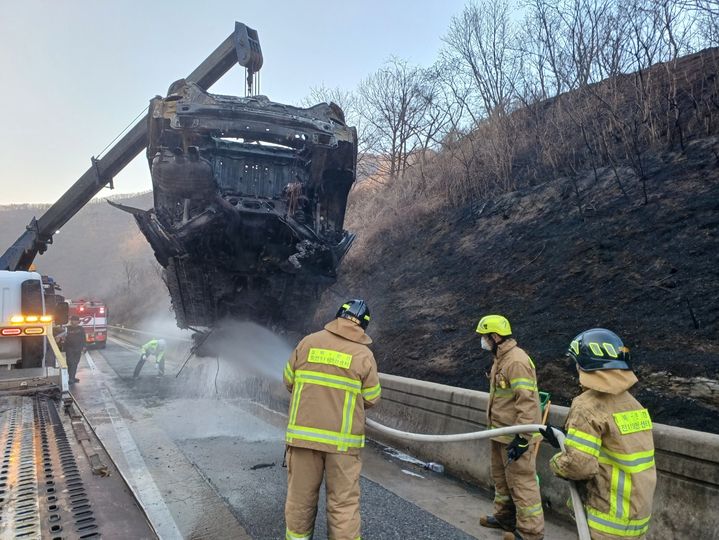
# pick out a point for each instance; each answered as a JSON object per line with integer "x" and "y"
{"x": 241, "y": 46}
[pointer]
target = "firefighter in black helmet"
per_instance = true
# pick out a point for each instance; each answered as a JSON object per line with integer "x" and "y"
{"x": 332, "y": 376}
{"x": 609, "y": 445}
{"x": 356, "y": 311}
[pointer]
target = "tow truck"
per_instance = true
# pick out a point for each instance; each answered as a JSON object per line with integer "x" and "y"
{"x": 56, "y": 479}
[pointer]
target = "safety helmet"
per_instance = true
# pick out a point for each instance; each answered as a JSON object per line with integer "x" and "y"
{"x": 356, "y": 311}
{"x": 161, "y": 344}
{"x": 494, "y": 324}
{"x": 599, "y": 349}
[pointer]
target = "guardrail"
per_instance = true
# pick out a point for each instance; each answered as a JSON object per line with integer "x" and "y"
{"x": 132, "y": 332}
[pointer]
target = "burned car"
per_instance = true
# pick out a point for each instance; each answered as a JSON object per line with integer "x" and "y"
{"x": 249, "y": 204}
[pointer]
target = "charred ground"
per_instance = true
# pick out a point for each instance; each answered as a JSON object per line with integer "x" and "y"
{"x": 596, "y": 208}
{"x": 647, "y": 271}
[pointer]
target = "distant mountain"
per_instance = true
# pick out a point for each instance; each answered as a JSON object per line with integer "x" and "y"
{"x": 98, "y": 253}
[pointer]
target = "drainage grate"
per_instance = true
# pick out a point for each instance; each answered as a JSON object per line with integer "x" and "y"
{"x": 69, "y": 511}
{"x": 41, "y": 490}
{"x": 19, "y": 505}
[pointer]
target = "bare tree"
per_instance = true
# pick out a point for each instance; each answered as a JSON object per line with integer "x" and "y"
{"x": 394, "y": 104}
{"x": 707, "y": 13}
{"x": 482, "y": 37}
{"x": 130, "y": 275}
{"x": 351, "y": 104}
{"x": 543, "y": 53}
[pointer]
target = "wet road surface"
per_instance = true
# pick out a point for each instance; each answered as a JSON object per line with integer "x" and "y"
{"x": 211, "y": 467}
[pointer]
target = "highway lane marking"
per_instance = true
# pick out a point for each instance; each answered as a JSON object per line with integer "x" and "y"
{"x": 143, "y": 483}
{"x": 123, "y": 345}
{"x": 90, "y": 362}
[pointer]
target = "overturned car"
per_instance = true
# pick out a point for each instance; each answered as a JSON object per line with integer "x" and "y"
{"x": 249, "y": 204}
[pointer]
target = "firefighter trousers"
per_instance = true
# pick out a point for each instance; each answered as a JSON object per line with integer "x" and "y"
{"x": 138, "y": 366}
{"x": 141, "y": 362}
{"x": 516, "y": 491}
{"x": 73, "y": 360}
{"x": 341, "y": 472}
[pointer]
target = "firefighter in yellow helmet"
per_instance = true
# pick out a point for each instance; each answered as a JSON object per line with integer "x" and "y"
{"x": 332, "y": 376}
{"x": 609, "y": 444}
{"x": 513, "y": 399}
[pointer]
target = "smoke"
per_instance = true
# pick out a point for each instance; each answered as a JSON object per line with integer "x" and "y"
{"x": 246, "y": 347}
{"x": 163, "y": 326}
{"x": 237, "y": 360}
{"x": 249, "y": 349}
{"x": 247, "y": 361}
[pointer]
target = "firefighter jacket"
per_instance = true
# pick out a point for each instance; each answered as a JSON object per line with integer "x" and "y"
{"x": 74, "y": 340}
{"x": 332, "y": 375}
{"x": 609, "y": 445}
{"x": 513, "y": 394}
{"x": 152, "y": 347}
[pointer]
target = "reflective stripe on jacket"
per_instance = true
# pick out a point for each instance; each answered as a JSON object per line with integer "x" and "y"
{"x": 513, "y": 394}
{"x": 332, "y": 375}
{"x": 151, "y": 348}
{"x": 610, "y": 446}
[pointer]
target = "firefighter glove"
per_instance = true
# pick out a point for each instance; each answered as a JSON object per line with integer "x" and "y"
{"x": 549, "y": 436}
{"x": 516, "y": 448}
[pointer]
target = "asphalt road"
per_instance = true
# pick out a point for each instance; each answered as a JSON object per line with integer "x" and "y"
{"x": 211, "y": 467}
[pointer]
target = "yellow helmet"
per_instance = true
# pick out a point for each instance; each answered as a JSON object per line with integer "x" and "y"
{"x": 494, "y": 324}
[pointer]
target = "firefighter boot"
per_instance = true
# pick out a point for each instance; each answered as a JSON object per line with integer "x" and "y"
{"x": 493, "y": 523}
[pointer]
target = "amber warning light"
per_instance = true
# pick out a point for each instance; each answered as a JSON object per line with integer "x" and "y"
{"x": 20, "y": 319}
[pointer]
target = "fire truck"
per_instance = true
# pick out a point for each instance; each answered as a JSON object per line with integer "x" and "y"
{"x": 93, "y": 319}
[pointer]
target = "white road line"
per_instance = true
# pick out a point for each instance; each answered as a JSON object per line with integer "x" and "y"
{"x": 90, "y": 362}
{"x": 140, "y": 478}
{"x": 121, "y": 344}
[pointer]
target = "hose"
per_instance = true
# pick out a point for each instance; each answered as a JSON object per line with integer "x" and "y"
{"x": 580, "y": 516}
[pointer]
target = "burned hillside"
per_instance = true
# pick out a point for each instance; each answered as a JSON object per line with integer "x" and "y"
{"x": 606, "y": 216}
{"x": 646, "y": 271}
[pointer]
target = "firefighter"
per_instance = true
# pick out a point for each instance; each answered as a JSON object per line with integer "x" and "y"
{"x": 73, "y": 346}
{"x": 609, "y": 444}
{"x": 513, "y": 399}
{"x": 332, "y": 376}
{"x": 156, "y": 348}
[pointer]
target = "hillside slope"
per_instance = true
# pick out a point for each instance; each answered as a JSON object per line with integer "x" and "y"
{"x": 649, "y": 272}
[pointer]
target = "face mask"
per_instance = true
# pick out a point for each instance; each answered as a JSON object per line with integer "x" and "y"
{"x": 486, "y": 345}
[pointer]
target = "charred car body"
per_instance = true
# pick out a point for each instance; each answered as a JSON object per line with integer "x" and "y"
{"x": 249, "y": 203}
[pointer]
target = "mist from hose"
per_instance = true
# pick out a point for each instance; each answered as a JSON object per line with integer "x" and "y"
{"x": 240, "y": 360}
{"x": 246, "y": 348}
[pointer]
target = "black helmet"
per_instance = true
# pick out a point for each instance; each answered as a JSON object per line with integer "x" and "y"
{"x": 598, "y": 349}
{"x": 356, "y": 311}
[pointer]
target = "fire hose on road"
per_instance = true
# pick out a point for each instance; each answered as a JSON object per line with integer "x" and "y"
{"x": 581, "y": 518}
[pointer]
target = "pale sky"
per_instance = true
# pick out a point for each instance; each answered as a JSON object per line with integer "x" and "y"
{"x": 76, "y": 72}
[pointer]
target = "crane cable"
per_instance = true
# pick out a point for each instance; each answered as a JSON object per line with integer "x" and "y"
{"x": 128, "y": 126}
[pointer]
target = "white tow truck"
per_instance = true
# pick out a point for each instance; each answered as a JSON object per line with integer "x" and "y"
{"x": 56, "y": 479}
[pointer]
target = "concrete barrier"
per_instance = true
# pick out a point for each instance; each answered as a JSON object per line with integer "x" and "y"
{"x": 686, "y": 504}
